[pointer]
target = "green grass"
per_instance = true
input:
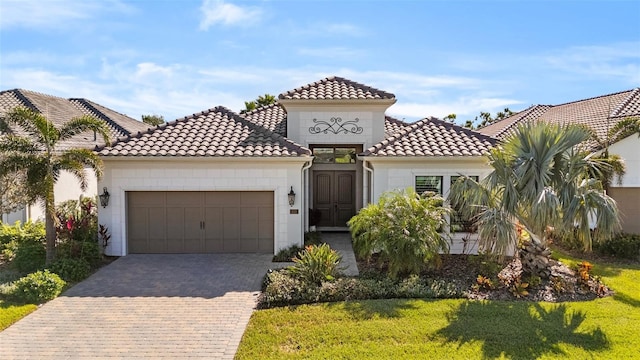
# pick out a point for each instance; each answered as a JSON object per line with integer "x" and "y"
{"x": 607, "y": 328}
{"x": 10, "y": 313}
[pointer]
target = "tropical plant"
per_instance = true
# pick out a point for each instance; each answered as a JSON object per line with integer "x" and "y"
{"x": 402, "y": 229}
{"x": 315, "y": 264}
{"x": 38, "y": 154}
{"x": 262, "y": 100}
{"x": 541, "y": 181}
{"x": 154, "y": 120}
{"x": 38, "y": 287}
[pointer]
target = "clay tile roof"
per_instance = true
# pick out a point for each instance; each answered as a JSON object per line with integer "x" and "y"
{"x": 433, "y": 137}
{"x": 393, "y": 125}
{"x": 272, "y": 117}
{"x": 599, "y": 113}
{"x": 217, "y": 132}
{"x": 335, "y": 88}
{"x": 60, "y": 110}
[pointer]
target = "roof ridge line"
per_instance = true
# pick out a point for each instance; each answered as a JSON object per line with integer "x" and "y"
{"x": 101, "y": 115}
{"x": 593, "y": 98}
{"x": 624, "y": 103}
{"x": 22, "y": 97}
{"x": 259, "y": 127}
{"x": 523, "y": 115}
{"x": 462, "y": 128}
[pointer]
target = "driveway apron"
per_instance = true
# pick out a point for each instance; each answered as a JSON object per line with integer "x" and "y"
{"x": 146, "y": 306}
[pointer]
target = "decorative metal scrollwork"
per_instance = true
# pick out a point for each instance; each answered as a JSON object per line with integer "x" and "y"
{"x": 336, "y": 126}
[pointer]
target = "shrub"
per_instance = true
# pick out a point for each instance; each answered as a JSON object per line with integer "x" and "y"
{"x": 316, "y": 264}
{"x": 287, "y": 254}
{"x": 626, "y": 246}
{"x": 85, "y": 250}
{"x": 38, "y": 287}
{"x": 29, "y": 256}
{"x": 73, "y": 270}
{"x": 403, "y": 228}
{"x": 78, "y": 220}
{"x": 282, "y": 289}
{"x": 11, "y": 236}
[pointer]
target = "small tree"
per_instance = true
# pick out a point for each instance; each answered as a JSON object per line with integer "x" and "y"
{"x": 403, "y": 229}
{"x": 13, "y": 193}
{"x": 38, "y": 156}
{"x": 262, "y": 100}
{"x": 154, "y": 120}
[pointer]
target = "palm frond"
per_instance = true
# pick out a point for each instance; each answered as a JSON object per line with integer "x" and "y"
{"x": 623, "y": 129}
{"x": 34, "y": 124}
{"x": 84, "y": 123}
{"x": 85, "y": 157}
{"x": 19, "y": 144}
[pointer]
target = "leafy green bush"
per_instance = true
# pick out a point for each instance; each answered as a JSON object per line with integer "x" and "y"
{"x": 626, "y": 246}
{"x": 403, "y": 228}
{"x": 29, "y": 256}
{"x": 11, "y": 236}
{"x": 287, "y": 254}
{"x": 38, "y": 287}
{"x": 85, "y": 250}
{"x": 316, "y": 264}
{"x": 283, "y": 289}
{"x": 73, "y": 270}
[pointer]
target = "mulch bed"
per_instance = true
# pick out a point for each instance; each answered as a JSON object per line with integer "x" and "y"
{"x": 463, "y": 271}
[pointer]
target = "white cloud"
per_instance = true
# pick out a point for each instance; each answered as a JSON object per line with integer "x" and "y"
{"x": 220, "y": 12}
{"x": 466, "y": 108}
{"x": 618, "y": 60}
{"x": 54, "y": 13}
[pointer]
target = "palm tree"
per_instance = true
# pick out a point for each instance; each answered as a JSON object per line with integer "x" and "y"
{"x": 541, "y": 181}
{"x": 37, "y": 155}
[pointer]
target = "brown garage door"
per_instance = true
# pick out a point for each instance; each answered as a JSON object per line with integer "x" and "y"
{"x": 200, "y": 222}
{"x": 628, "y": 200}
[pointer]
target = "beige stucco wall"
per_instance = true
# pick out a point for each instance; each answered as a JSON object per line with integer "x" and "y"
{"x": 629, "y": 150}
{"x": 628, "y": 194}
{"x": 204, "y": 175}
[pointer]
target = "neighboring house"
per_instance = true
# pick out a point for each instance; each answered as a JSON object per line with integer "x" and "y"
{"x": 218, "y": 181}
{"x": 60, "y": 110}
{"x": 601, "y": 114}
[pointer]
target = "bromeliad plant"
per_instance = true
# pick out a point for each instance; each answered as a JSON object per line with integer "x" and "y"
{"x": 541, "y": 180}
{"x": 403, "y": 230}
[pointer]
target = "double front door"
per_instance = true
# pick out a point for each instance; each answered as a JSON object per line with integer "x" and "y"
{"x": 334, "y": 197}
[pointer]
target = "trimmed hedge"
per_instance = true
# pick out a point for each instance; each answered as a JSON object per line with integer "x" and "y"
{"x": 282, "y": 289}
{"x": 625, "y": 246}
{"x": 38, "y": 287}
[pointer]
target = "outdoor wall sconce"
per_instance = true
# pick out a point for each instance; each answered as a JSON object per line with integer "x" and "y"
{"x": 292, "y": 197}
{"x": 104, "y": 197}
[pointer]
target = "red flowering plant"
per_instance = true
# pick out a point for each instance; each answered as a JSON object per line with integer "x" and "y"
{"x": 77, "y": 229}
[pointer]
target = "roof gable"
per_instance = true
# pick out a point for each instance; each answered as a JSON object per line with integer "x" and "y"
{"x": 335, "y": 88}
{"x": 217, "y": 132}
{"x": 433, "y": 137}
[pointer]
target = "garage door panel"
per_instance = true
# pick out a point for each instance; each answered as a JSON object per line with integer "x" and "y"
{"x": 628, "y": 200}
{"x": 196, "y": 222}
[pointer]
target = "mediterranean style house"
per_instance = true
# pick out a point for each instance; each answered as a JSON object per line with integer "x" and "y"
{"x": 218, "y": 181}
{"x": 60, "y": 110}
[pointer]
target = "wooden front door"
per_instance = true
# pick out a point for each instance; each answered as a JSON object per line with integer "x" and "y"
{"x": 334, "y": 197}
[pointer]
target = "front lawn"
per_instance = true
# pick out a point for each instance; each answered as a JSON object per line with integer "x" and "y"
{"x": 10, "y": 312}
{"x": 605, "y": 328}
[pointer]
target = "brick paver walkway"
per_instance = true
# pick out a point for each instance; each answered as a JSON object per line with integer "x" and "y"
{"x": 146, "y": 306}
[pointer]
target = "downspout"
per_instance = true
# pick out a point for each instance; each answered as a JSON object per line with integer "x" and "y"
{"x": 303, "y": 204}
{"x": 370, "y": 171}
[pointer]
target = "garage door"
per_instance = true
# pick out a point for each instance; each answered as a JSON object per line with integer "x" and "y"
{"x": 628, "y": 200}
{"x": 200, "y": 222}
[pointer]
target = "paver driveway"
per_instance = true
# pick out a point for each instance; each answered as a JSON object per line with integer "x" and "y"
{"x": 146, "y": 306}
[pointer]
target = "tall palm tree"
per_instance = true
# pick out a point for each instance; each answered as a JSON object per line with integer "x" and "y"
{"x": 541, "y": 180}
{"x": 36, "y": 154}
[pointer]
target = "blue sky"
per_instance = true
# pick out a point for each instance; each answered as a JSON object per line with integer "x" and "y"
{"x": 175, "y": 58}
